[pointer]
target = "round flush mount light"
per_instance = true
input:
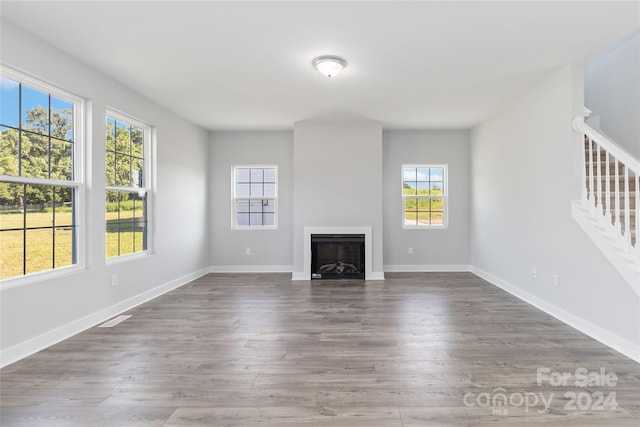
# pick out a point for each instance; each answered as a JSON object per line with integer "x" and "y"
{"x": 328, "y": 65}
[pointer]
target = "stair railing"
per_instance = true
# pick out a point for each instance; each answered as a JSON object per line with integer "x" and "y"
{"x": 599, "y": 154}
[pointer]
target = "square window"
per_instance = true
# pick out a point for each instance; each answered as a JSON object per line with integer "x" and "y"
{"x": 257, "y": 189}
{"x": 243, "y": 175}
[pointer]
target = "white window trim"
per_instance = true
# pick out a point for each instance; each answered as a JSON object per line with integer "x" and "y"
{"x": 234, "y": 197}
{"x": 149, "y": 180}
{"x": 78, "y": 183}
{"x": 445, "y": 196}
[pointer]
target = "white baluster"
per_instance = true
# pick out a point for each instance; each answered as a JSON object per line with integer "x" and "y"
{"x": 637, "y": 186}
{"x": 592, "y": 181}
{"x": 585, "y": 165}
{"x": 607, "y": 180}
{"x": 616, "y": 184}
{"x": 599, "y": 175}
{"x": 627, "y": 210}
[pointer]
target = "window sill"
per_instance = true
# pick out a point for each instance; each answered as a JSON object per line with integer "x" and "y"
{"x": 425, "y": 227}
{"x": 28, "y": 279}
{"x": 130, "y": 257}
{"x": 253, "y": 228}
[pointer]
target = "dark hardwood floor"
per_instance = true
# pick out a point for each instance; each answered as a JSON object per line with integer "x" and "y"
{"x": 436, "y": 349}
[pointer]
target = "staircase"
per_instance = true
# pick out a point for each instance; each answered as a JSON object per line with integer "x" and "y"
{"x": 607, "y": 210}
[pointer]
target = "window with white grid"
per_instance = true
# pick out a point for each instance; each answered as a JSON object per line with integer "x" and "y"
{"x": 255, "y": 197}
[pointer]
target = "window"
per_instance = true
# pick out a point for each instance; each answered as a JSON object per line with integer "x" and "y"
{"x": 255, "y": 197}
{"x": 40, "y": 176}
{"x": 127, "y": 171}
{"x": 424, "y": 196}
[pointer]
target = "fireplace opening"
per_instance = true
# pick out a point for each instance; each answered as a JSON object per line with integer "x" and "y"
{"x": 337, "y": 256}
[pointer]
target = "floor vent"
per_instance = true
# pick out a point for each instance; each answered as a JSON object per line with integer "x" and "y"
{"x": 113, "y": 322}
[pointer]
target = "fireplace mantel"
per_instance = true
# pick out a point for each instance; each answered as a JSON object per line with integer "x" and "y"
{"x": 308, "y": 231}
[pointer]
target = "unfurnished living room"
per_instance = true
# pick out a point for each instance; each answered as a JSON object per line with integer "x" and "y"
{"x": 319, "y": 213}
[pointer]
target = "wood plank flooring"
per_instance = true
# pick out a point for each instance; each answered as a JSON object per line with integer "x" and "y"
{"x": 428, "y": 349}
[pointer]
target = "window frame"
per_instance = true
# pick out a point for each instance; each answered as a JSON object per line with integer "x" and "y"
{"x": 77, "y": 184}
{"x": 235, "y": 197}
{"x": 148, "y": 179}
{"x": 444, "y": 197}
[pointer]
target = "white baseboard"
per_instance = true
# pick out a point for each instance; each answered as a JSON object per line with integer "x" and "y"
{"x": 426, "y": 268}
{"x": 250, "y": 269}
{"x": 299, "y": 275}
{"x": 375, "y": 275}
{"x": 61, "y": 333}
{"x": 621, "y": 345}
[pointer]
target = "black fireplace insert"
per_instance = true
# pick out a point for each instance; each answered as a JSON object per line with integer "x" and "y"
{"x": 337, "y": 256}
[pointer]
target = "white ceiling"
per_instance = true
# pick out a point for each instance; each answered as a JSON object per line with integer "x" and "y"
{"x": 247, "y": 65}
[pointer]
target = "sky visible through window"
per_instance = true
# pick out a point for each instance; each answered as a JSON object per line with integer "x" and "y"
{"x": 11, "y": 112}
{"x": 423, "y": 180}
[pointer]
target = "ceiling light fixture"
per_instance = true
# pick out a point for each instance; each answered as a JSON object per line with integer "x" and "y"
{"x": 329, "y": 66}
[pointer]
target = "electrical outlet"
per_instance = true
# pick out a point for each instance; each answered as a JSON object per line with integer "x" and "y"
{"x": 114, "y": 280}
{"x": 556, "y": 281}
{"x": 534, "y": 273}
{"x": 247, "y": 251}
{"x": 410, "y": 250}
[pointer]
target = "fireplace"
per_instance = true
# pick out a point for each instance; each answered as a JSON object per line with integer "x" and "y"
{"x": 303, "y": 269}
{"x": 338, "y": 256}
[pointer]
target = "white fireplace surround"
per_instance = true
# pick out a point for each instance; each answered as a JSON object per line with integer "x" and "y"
{"x": 368, "y": 256}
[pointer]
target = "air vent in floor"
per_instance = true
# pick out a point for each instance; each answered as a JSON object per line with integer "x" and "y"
{"x": 113, "y": 322}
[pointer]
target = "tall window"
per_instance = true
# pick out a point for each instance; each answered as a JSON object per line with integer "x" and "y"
{"x": 255, "y": 197}
{"x": 424, "y": 196}
{"x": 40, "y": 176}
{"x": 127, "y": 185}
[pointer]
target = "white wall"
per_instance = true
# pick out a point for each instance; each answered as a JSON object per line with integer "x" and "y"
{"x": 271, "y": 250}
{"x": 337, "y": 181}
{"x": 525, "y": 171}
{"x": 38, "y": 314}
{"x": 433, "y": 249}
{"x": 612, "y": 92}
